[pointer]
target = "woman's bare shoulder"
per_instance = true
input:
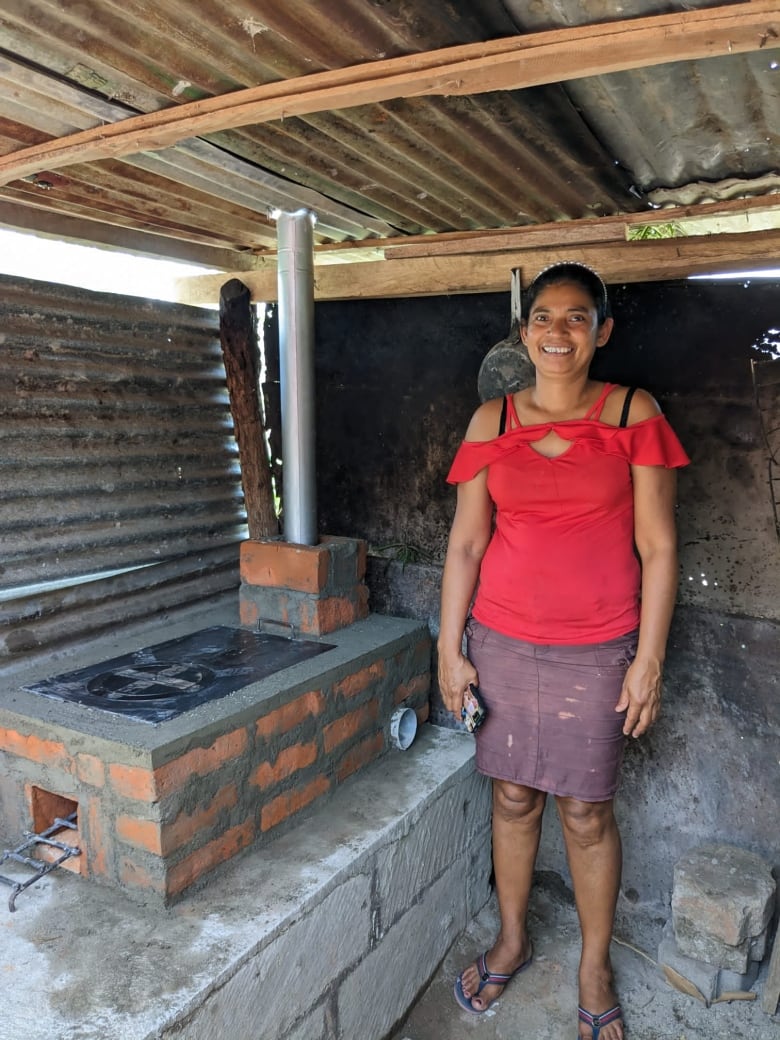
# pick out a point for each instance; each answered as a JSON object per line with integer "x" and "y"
{"x": 485, "y": 421}
{"x": 643, "y": 406}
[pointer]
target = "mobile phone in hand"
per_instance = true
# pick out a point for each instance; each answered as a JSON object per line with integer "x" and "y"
{"x": 473, "y": 711}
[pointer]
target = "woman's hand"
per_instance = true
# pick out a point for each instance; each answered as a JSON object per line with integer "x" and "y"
{"x": 455, "y": 674}
{"x": 640, "y": 697}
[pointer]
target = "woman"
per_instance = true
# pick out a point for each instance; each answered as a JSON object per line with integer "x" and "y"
{"x": 566, "y": 637}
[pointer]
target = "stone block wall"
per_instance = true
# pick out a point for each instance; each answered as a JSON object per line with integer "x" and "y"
{"x": 338, "y": 963}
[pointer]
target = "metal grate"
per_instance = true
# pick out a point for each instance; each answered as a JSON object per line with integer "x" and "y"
{"x": 38, "y": 867}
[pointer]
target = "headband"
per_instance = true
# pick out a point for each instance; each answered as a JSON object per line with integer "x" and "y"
{"x": 575, "y": 263}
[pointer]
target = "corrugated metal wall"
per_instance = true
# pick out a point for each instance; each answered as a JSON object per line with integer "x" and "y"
{"x": 116, "y": 452}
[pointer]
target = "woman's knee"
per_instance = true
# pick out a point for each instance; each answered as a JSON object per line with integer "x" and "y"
{"x": 516, "y": 802}
{"x": 587, "y": 823}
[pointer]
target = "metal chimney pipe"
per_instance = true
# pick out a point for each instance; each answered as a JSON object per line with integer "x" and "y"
{"x": 295, "y": 276}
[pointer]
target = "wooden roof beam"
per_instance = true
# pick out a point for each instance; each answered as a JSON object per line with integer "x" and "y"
{"x": 563, "y": 232}
{"x": 512, "y": 63}
{"x": 650, "y": 261}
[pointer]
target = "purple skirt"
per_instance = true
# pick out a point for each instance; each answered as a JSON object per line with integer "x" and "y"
{"x": 551, "y": 721}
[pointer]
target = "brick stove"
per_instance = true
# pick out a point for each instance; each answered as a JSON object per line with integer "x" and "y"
{"x": 163, "y": 799}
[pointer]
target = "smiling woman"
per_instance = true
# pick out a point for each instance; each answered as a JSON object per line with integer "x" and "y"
{"x": 102, "y": 270}
{"x": 573, "y": 589}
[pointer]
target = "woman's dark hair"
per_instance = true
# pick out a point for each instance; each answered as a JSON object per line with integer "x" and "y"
{"x": 571, "y": 271}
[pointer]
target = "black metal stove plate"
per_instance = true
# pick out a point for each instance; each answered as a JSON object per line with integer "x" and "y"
{"x": 165, "y": 680}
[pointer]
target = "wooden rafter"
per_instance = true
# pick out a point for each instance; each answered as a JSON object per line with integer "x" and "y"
{"x": 490, "y": 271}
{"x": 563, "y": 232}
{"x": 507, "y": 64}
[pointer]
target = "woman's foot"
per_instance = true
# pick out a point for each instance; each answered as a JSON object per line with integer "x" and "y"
{"x": 483, "y": 982}
{"x": 600, "y": 1017}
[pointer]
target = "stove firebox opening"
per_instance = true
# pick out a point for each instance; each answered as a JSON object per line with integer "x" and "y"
{"x": 46, "y": 808}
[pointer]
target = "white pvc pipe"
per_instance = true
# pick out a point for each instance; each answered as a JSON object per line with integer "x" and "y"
{"x": 295, "y": 275}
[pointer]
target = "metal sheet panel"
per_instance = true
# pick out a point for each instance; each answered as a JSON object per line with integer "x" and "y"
{"x": 116, "y": 445}
{"x": 408, "y": 166}
{"x": 676, "y": 123}
{"x": 30, "y": 626}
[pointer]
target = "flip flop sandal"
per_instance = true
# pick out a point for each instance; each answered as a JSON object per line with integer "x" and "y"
{"x": 487, "y": 978}
{"x": 597, "y": 1022}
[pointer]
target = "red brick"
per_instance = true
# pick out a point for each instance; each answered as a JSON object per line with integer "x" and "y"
{"x": 134, "y": 782}
{"x": 97, "y": 850}
{"x": 415, "y": 658}
{"x": 420, "y": 684}
{"x": 134, "y": 875}
{"x": 359, "y": 681}
{"x": 421, "y": 655}
{"x": 350, "y": 725}
{"x": 248, "y": 611}
{"x": 49, "y": 853}
{"x": 36, "y": 749}
{"x": 291, "y": 802}
{"x": 209, "y": 856}
{"x": 186, "y": 825}
{"x": 360, "y": 756}
{"x": 289, "y": 761}
{"x": 46, "y": 806}
{"x": 145, "y": 834}
{"x": 292, "y": 714}
{"x": 90, "y": 770}
{"x": 423, "y": 713}
{"x": 301, "y": 568}
{"x": 201, "y": 761}
{"x": 318, "y": 617}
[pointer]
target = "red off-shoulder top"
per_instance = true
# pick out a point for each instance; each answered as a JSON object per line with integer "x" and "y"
{"x": 561, "y": 566}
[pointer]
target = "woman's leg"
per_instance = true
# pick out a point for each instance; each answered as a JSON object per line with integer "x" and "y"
{"x": 595, "y": 860}
{"x": 517, "y": 824}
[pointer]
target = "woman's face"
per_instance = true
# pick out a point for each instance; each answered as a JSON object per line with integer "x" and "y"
{"x": 561, "y": 331}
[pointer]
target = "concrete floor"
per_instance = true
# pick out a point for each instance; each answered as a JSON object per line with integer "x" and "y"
{"x": 106, "y": 932}
{"x": 541, "y": 1004}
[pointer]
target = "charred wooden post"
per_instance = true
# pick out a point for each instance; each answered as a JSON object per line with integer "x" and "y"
{"x": 238, "y": 336}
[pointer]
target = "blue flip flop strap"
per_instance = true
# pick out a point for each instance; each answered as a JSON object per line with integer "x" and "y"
{"x": 599, "y": 1021}
{"x": 489, "y": 977}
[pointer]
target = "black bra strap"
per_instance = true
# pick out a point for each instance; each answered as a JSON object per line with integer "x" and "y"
{"x": 502, "y": 422}
{"x": 627, "y": 406}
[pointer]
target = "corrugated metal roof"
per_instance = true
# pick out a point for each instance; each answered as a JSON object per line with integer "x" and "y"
{"x": 584, "y": 148}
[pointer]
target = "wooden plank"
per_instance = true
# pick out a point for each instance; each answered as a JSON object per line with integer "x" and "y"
{"x": 591, "y": 230}
{"x": 561, "y": 233}
{"x": 507, "y": 64}
{"x": 490, "y": 272}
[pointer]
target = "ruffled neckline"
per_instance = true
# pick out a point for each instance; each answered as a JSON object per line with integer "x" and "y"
{"x": 649, "y": 442}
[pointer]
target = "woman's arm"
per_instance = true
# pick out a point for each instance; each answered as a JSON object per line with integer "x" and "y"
{"x": 468, "y": 541}
{"x": 656, "y": 541}
{"x": 469, "y": 537}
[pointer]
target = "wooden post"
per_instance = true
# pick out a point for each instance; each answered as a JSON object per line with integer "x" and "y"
{"x": 238, "y": 336}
